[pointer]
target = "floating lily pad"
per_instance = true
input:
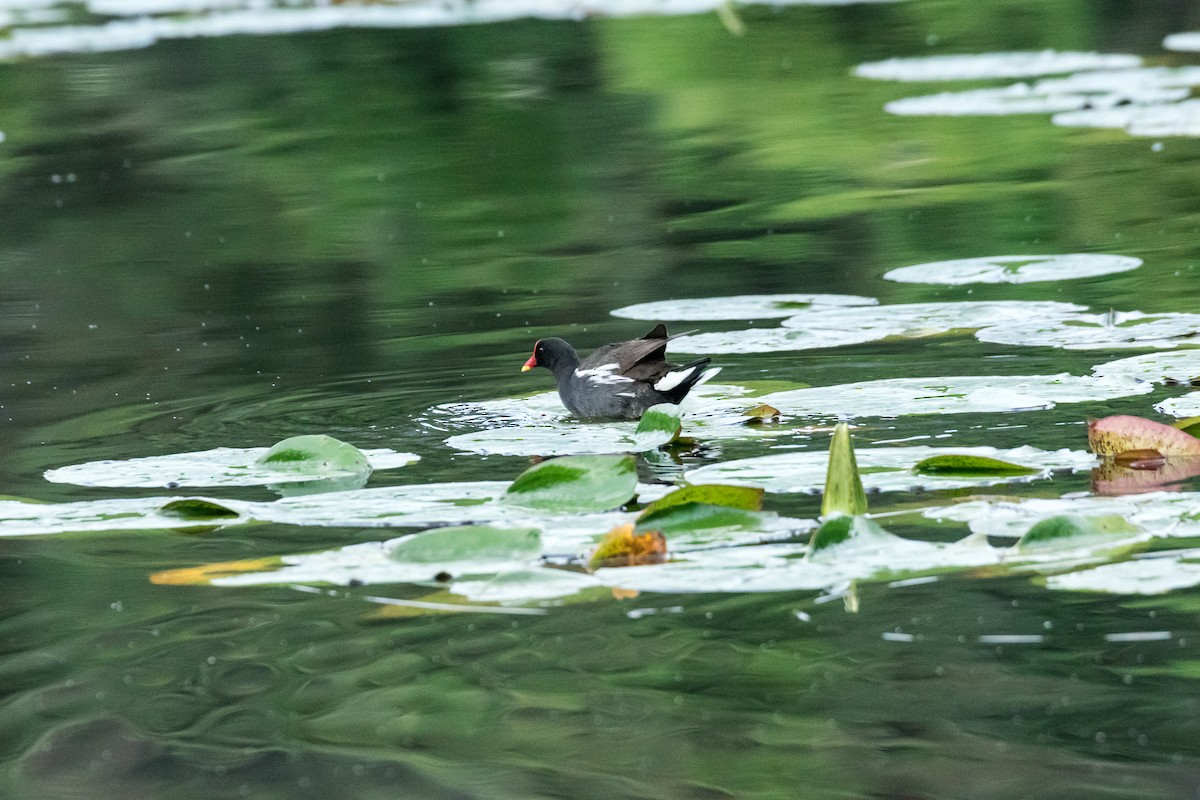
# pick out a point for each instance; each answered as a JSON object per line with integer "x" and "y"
{"x": 469, "y": 544}
{"x": 1024, "y": 99}
{"x": 747, "y": 306}
{"x": 994, "y": 102}
{"x": 1163, "y": 514}
{"x": 1183, "y": 42}
{"x": 659, "y": 425}
{"x": 1157, "y": 119}
{"x": 539, "y": 425}
{"x": 1073, "y": 532}
{"x": 969, "y": 465}
{"x": 820, "y": 327}
{"x": 1186, "y": 406}
{"x": 748, "y": 498}
{"x": 925, "y": 319}
{"x": 771, "y": 340}
{"x": 415, "y": 558}
{"x": 886, "y": 468}
{"x": 979, "y": 66}
{"x": 1179, "y": 366}
{"x": 1099, "y": 331}
{"x": 575, "y": 484}
{"x": 148, "y": 513}
{"x": 896, "y": 397}
{"x": 1146, "y": 576}
{"x": 1014, "y": 269}
{"x": 224, "y": 466}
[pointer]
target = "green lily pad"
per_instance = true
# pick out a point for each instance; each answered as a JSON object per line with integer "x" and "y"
{"x": 314, "y": 454}
{"x": 748, "y": 498}
{"x": 1074, "y": 531}
{"x": 659, "y": 425}
{"x": 469, "y": 544}
{"x": 197, "y": 509}
{"x": 836, "y": 536}
{"x": 693, "y": 516}
{"x": 970, "y": 465}
{"x": 575, "y": 484}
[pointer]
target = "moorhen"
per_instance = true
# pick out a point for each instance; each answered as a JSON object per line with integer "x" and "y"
{"x": 618, "y": 381}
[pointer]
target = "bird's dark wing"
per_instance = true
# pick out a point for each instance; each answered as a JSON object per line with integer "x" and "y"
{"x": 647, "y": 354}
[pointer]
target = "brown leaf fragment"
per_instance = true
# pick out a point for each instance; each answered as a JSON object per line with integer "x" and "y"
{"x": 622, "y": 547}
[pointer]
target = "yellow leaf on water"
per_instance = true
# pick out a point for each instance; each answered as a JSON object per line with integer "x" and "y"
{"x": 206, "y": 573}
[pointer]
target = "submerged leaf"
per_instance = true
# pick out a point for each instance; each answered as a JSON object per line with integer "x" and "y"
{"x": 843, "y": 486}
{"x": 971, "y": 465}
{"x": 575, "y": 484}
{"x": 1121, "y": 433}
{"x": 314, "y": 454}
{"x": 623, "y": 547}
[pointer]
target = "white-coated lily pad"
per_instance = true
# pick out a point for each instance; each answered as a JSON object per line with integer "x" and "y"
{"x": 1118, "y": 329}
{"x": 888, "y": 469}
{"x": 539, "y": 425}
{"x": 1014, "y": 269}
{"x": 223, "y": 466}
{"x": 145, "y": 513}
{"x": 1183, "y": 42}
{"x": 1155, "y": 119}
{"x": 981, "y": 66}
{"x": 896, "y": 397}
{"x": 1021, "y": 98}
{"x": 747, "y": 306}
{"x": 1185, "y": 406}
{"x": 1165, "y": 572}
{"x": 996, "y": 102}
{"x": 928, "y": 319}
{"x": 821, "y": 327}
{"x": 1161, "y": 514}
{"x": 773, "y": 340}
{"x": 1177, "y": 366}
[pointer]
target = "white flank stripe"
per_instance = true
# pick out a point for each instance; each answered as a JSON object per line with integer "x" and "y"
{"x": 603, "y": 375}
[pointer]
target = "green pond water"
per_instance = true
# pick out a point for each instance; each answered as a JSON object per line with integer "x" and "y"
{"x": 223, "y": 242}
